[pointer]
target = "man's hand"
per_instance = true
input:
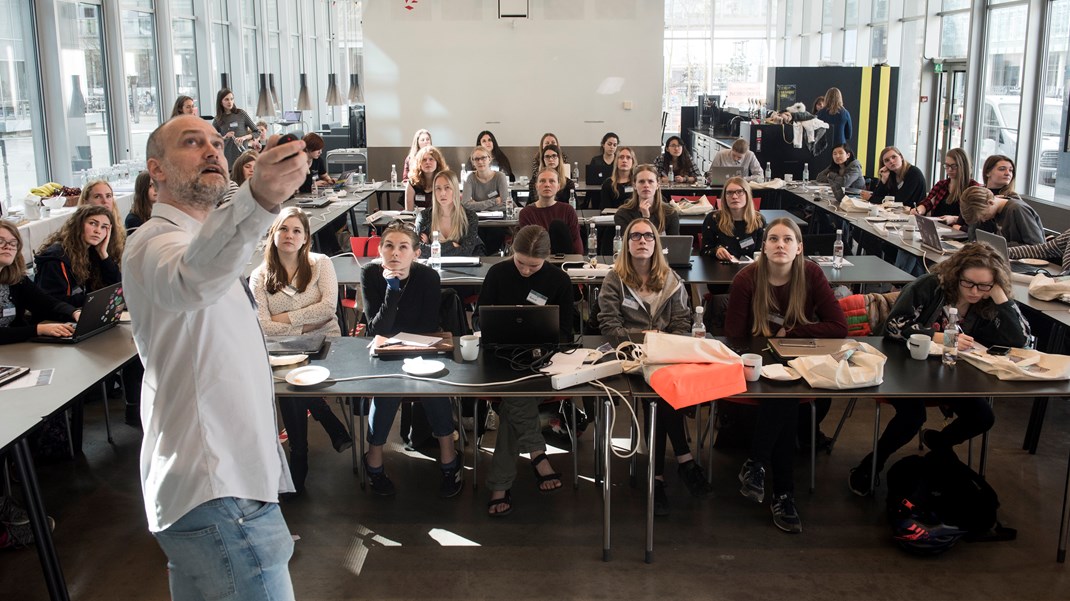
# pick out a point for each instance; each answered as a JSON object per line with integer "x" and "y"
{"x": 279, "y": 171}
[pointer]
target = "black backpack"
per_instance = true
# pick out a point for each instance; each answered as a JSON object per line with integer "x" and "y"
{"x": 935, "y": 500}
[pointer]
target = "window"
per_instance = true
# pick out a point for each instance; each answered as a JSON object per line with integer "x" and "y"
{"x": 251, "y": 67}
{"x": 1053, "y": 94}
{"x": 84, "y": 83}
{"x": 954, "y": 35}
{"x": 142, "y": 76}
{"x": 1004, "y": 52}
{"x": 184, "y": 45}
{"x": 19, "y": 147}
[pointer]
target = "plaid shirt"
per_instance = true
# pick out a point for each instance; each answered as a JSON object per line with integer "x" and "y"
{"x": 934, "y": 203}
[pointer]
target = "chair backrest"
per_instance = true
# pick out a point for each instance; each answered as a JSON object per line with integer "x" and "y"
{"x": 364, "y": 246}
{"x": 452, "y": 316}
{"x": 717, "y": 202}
{"x": 818, "y": 244}
{"x": 854, "y": 307}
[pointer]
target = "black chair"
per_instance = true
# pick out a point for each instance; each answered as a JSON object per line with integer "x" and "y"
{"x": 818, "y": 244}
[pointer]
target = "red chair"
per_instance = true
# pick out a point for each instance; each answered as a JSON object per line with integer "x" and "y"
{"x": 757, "y": 203}
{"x": 362, "y": 246}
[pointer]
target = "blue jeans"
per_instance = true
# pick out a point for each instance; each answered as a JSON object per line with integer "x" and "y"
{"x": 381, "y": 417}
{"x": 229, "y": 548}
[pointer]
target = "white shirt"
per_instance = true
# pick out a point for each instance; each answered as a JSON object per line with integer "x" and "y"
{"x": 207, "y": 401}
{"x": 752, "y": 169}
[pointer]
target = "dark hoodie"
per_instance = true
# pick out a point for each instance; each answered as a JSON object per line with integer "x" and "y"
{"x": 27, "y": 296}
{"x": 55, "y": 276}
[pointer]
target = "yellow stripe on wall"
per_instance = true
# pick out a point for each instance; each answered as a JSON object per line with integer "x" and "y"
{"x": 882, "y": 110}
{"x": 862, "y": 124}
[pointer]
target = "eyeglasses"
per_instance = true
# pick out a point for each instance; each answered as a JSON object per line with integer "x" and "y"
{"x": 9, "y": 243}
{"x": 480, "y": 159}
{"x": 550, "y": 156}
{"x": 736, "y": 192}
{"x": 967, "y": 284}
{"x": 637, "y": 236}
{"x": 401, "y": 224}
{"x": 951, "y": 166}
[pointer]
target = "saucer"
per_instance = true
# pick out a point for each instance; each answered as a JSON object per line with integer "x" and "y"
{"x": 422, "y": 367}
{"x": 309, "y": 375}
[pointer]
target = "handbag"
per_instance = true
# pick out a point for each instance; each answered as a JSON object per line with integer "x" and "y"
{"x": 1048, "y": 288}
{"x": 854, "y": 205}
{"x": 697, "y": 207}
{"x": 687, "y": 371}
{"x": 1021, "y": 364}
{"x": 855, "y": 365}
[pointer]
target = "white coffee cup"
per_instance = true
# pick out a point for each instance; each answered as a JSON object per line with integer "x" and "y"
{"x": 469, "y": 347}
{"x": 919, "y": 346}
{"x": 875, "y": 212}
{"x": 700, "y": 180}
{"x": 788, "y": 177}
{"x": 752, "y": 366}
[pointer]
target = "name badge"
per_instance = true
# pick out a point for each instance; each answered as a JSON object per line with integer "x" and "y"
{"x": 289, "y": 290}
{"x": 630, "y": 303}
{"x": 536, "y": 298}
{"x": 776, "y": 318}
{"x": 421, "y": 197}
{"x": 493, "y": 194}
{"x": 9, "y": 311}
{"x": 234, "y": 125}
{"x": 746, "y": 243}
{"x": 628, "y": 189}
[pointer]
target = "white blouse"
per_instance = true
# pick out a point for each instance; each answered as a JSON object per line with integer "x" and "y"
{"x": 317, "y": 304}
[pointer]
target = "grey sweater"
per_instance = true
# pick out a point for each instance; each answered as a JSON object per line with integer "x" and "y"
{"x": 478, "y": 196}
{"x": 1018, "y": 222}
{"x": 850, "y": 179}
{"x": 622, "y": 310}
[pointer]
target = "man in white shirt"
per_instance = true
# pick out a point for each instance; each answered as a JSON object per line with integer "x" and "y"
{"x": 211, "y": 464}
{"x": 740, "y": 155}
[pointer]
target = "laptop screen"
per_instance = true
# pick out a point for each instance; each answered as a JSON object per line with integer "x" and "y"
{"x": 291, "y": 115}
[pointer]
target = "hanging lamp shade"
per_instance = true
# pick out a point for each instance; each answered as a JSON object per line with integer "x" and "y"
{"x": 263, "y": 103}
{"x": 356, "y": 95}
{"x": 274, "y": 95}
{"x": 224, "y": 81}
{"x": 334, "y": 98}
{"x": 303, "y": 102}
{"x": 77, "y": 108}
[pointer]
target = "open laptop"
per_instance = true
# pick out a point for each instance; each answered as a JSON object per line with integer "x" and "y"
{"x": 595, "y": 174}
{"x": 677, "y": 250}
{"x": 100, "y": 312}
{"x": 519, "y": 325}
{"x": 1000, "y": 244}
{"x": 930, "y": 239}
{"x": 719, "y": 175}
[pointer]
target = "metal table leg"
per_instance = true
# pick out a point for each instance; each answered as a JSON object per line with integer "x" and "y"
{"x": 1064, "y": 526}
{"x": 649, "y": 557}
{"x": 606, "y": 435}
{"x": 42, "y": 534}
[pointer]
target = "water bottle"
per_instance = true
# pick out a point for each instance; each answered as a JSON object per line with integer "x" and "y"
{"x": 671, "y": 177}
{"x": 436, "y": 251}
{"x": 360, "y": 176}
{"x": 572, "y": 198}
{"x": 837, "y": 250}
{"x": 698, "y": 329}
{"x": 592, "y": 243}
{"x": 510, "y": 208}
{"x": 575, "y": 172}
{"x": 768, "y": 172}
{"x": 806, "y": 173}
{"x": 464, "y": 176}
{"x": 618, "y": 242}
{"x": 951, "y": 338}
{"x": 394, "y": 175}
{"x": 317, "y": 190}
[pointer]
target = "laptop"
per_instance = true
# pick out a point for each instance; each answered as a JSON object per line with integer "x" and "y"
{"x": 597, "y": 174}
{"x": 291, "y": 116}
{"x": 719, "y": 175}
{"x": 309, "y": 344}
{"x": 1000, "y": 244}
{"x": 314, "y": 202}
{"x": 519, "y": 325}
{"x": 100, "y": 312}
{"x": 677, "y": 250}
{"x": 930, "y": 239}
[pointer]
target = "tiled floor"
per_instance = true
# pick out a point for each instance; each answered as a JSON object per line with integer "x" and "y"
{"x": 418, "y": 546}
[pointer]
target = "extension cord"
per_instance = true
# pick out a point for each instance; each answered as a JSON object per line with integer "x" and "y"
{"x": 586, "y": 373}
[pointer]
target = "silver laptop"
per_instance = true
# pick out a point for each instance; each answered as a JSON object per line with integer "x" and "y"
{"x": 1000, "y": 244}
{"x": 677, "y": 250}
{"x": 719, "y": 175}
{"x": 930, "y": 239}
{"x": 790, "y": 348}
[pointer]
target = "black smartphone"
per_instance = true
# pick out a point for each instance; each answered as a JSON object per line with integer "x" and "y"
{"x": 998, "y": 350}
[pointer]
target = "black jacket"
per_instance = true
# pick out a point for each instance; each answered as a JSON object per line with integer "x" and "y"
{"x": 27, "y": 296}
{"x": 55, "y": 277}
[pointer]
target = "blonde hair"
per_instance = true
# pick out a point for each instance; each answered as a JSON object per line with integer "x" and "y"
{"x": 958, "y": 184}
{"x": 659, "y": 268}
{"x": 458, "y": 220}
{"x": 615, "y": 176}
{"x": 277, "y": 278}
{"x": 12, "y": 274}
{"x": 763, "y": 302}
{"x": 833, "y": 101}
{"x": 751, "y": 216}
{"x": 117, "y": 243}
{"x": 416, "y": 174}
{"x": 662, "y": 209}
{"x": 974, "y": 202}
{"x": 899, "y": 175}
{"x": 562, "y": 168}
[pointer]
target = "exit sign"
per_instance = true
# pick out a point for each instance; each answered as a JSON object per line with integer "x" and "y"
{"x": 939, "y": 68}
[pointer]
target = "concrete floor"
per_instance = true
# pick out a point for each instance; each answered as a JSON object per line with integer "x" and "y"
{"x": 357, "y": 546}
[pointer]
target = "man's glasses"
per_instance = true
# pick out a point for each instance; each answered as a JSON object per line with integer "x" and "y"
{"x": 967, "y": 284}
{"x": 637, "y": 236}
{"x": 9, "y": 244}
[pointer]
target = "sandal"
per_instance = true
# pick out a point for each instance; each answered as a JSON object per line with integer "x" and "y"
{"x": 548, "y": 477}
{"x": 507, "y": 500}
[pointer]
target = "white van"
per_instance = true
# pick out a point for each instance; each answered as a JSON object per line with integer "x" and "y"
{"x": 999, "y": 132}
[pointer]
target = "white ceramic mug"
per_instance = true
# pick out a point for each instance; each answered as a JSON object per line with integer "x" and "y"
{"x": 788, "y": 177}
{"x": 919, "y": 346}
{"x": 469, "y": 347}
{"x": 752, "y": 366}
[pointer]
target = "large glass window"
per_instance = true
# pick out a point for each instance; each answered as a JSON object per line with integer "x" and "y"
{"x": 184, "y": 46}
{"x": 17, "y": 148}
{"x": 142, "y": 75}
{"x": 1056, "y": 75}
{"x": 954, "y": 35}
{"x": 251, "y": 67}
{"x": 84, "y": 83}
{"x": 1004, "y": 53}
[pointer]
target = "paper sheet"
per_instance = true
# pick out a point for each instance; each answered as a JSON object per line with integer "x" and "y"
{"x": 35, "y": 377}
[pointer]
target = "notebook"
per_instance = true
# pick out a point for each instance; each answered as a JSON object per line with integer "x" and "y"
{"x": 930, "y": 239}
{"x": 1000, "y": 244}
{"x": 519, "y": 325}
{"x": 677, "y": 250}
{"x": 719, "y": 175}
{"x": 100, "y": 312}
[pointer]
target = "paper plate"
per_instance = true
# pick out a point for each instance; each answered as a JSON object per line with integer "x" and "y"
{"x": 876, "y": 219}
{"x": 419, "y": 366}
{"x": 280, "y": 360}
{"x": 309, "y": 375}
{"x": 1033, "y": 262}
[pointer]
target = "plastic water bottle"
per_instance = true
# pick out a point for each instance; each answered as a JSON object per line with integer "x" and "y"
{"x": 464, "y": 176}
{"x": 806, "y": 173}
{"x": 361, "y": 179}
{"x": 317, "y": 190}
{"x": 575, "y": 172}
{"x": 510, "y": 208}
{"x": 572, "y": 198}
{"x": 698, "y": 329}
{"x": 951, "y": 338}
{"x": 618, "y": 242}
{"x": 837, "y": 250}
{"x": 769, "y": 172}
{"x": 592, "y": 243}
{"x": 436, "y": 251}
{"x": 394, "y": 175}
{"x": 671, "y": 177}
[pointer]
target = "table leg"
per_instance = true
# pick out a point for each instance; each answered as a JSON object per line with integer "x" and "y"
{"x": 42, "y": 534}
{"x": 649, "y": 557}
{"x": 1036, "y": 422}
{"x": 606, "y": 435}
{"x": 1064, "y": 526}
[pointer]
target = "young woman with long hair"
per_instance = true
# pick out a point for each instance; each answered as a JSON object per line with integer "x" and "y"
{"x": 678, "y": 160}
{"x": 421, "y": 139}
{"x": 485, "y": 189}
{"x": 898, "y": 178}
{"x": 144, "y": 198}
{"x": 998, "y": 175}
{"x": 296, "y": 292}
{"x": 736, "y": 229}
{"x": 550, "y": 158}
{"x": 643, "y": 293}
{"x": 604, "y": 161}
{"x": 77, "y": 259}
{"x": 837, "y": 116}
{"x": 184, "y": 105}
{"x": 618, "y": 187}
{"x": 546, "y": 140}
{"x": 234, "y": 124}
{"x": 317, "y": 164}
{"x": 943, "y": 200}
{"x": 99, "y": 193}
{"x": 23, "y": 302}
{"x": 457, "y": 226}
{"x": 780, "y": 294}
{"x": 427, "y": 163}
{"x": 499, "y": 162}
{"x": 646, "y": 203}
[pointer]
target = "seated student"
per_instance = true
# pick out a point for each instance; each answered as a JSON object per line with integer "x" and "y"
{"x": 618, "y": 188}
{"x": 418, "y": 187}
{"x": 845, "y": 170}
{"x": 943, "y": 200}
{"x": 317, "y": 166}
{"x": 998, "y": 175}
{"x": 642, "y": 293}
{"x": 737, "y": 229}
{"x": 241, "y": 170}
{"x": 184, "y": 105}
{"x": 604, "y": 162}
{"x": 780, "y": 294}
{"x": 557, "y": 218}
{"x": 550, "y": 158}
{"x": 974, "y": 280}
{"x": 458, "y": 227}
{"x": 499, "y": 163}
{"x": 19, "y": 295}
{"x": 421, "y": 139}
{"x": 144, "y": 198}
{"x": 526, "y": 279}
{"x": 740, "y": 155}
{"x": 1055, "y": 250}
{"x": 898, "y": 178}
{"x": 77, "y": 259}
{"x": 485, "y": 189}
{"x": 536, "y": 162}
{"x": 678, "y": 160}
{"x": 1008, "y": 216}
{"x": 99, "y": 193}
{"x": 646, "y": 203}
{"x": 296, "y": 292}
{"x": 401, "y": 295}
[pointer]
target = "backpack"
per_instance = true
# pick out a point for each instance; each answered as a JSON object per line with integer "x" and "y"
{"x": 935, "y": 500}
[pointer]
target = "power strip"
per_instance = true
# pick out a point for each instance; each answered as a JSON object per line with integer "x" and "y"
{"x": 586, "y": 373}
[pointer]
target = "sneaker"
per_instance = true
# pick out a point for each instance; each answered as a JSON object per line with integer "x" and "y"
{"x": 21, "y": 535}
{"x": 785, "y": 516}
{"x": 752, "y": 476}
{"x": 661, "y": 500}
{"x": 452, "y": 479}
{"x": 381, "y": 483}
{"x": 343, "y": 444}
{"x": 694, "y": 479}
{"x": 11, "y": 514}
{"x": 859, "y": 479}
